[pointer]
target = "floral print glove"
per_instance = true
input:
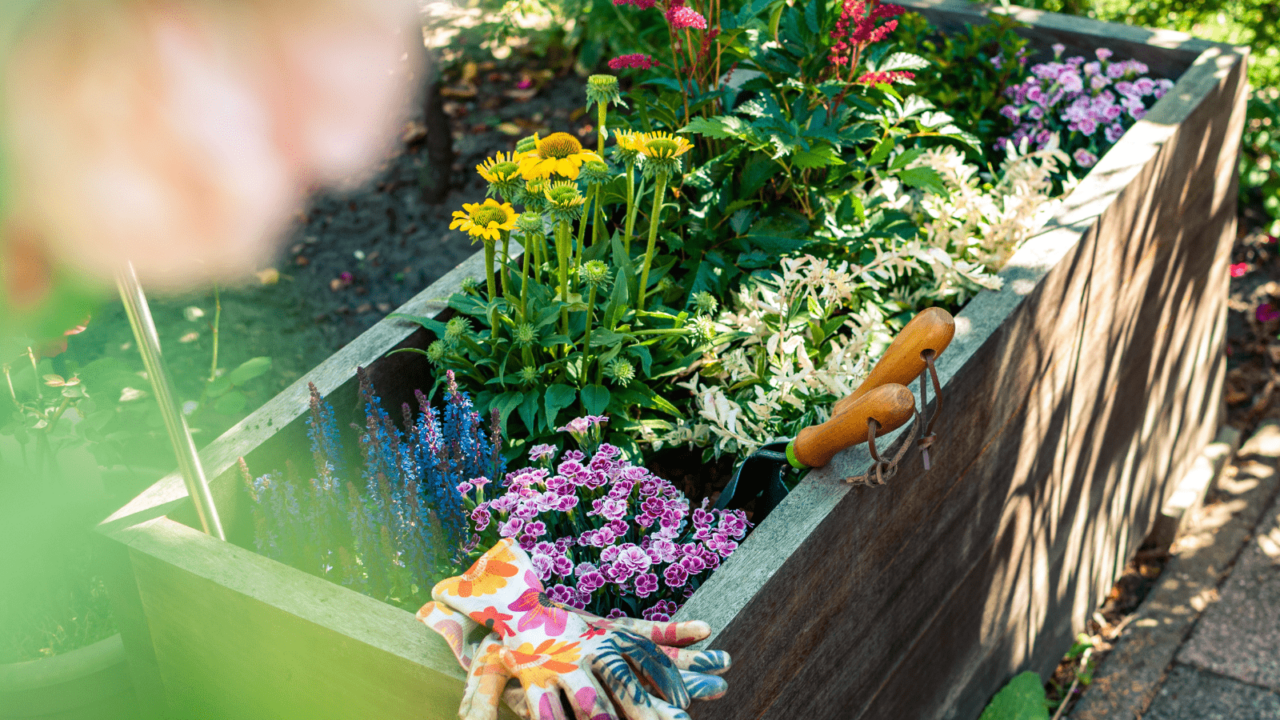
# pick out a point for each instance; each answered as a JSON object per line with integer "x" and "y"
{"x": 550, "y": 648}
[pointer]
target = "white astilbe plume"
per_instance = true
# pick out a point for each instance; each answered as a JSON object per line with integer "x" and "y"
{"x": 796, "y": 344}
{"x": 973, "y": 230}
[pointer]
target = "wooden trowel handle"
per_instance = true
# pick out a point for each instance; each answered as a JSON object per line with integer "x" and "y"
{"x": 932, "y": 329}
{"x": 890, "y": 406}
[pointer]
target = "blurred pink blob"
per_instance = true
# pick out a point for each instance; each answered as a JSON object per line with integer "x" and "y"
{"x": 1239, "y": 270}
{"x": 181, "y": 135}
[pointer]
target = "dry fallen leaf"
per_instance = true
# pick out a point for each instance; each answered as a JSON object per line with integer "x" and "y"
{"x": 413, "y": 133}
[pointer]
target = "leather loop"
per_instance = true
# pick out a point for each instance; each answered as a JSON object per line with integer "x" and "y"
{"x": 882, "y": 469}
{"x": 929, "y": 437}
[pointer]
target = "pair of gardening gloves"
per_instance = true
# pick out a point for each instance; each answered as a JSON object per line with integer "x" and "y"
{"x": 536, "y": 649}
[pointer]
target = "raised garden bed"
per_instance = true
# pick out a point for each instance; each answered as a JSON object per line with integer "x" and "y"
{"x": 1073, "y": 398}
{"x": 90, "y": 683}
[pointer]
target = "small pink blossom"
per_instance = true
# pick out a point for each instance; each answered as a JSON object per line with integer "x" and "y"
{"x": 686, "y": 17}
{"x": 638, "y": 61}
{"x": 1239, "y": 270}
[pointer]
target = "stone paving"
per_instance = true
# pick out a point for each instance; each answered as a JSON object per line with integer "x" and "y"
{"x": 1206, "y": 643}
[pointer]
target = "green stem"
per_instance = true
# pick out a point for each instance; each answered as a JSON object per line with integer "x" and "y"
{"x": 524, "y": 282}
{"x": 488, "y": 269}
{"x": 586, "y": 340}
{"x": 631, "y": 205}
{"x": 597, "y": 218}
{"x": 582, "y": 234}
{"x": 217, "y": 320}
{"x": 35, "y": 372}
{"x": 562, "y": 251}
{"x": 600, "y": 131}
{"x": 658, "y": 189}
{"x": 506, "y": 260}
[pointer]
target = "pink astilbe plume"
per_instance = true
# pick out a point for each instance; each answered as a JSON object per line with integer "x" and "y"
{"x": 857, "y": 27}
{"x": 885, "y": 78}
{"x": 638, "y": 61}
{"x": 682, "y": 17}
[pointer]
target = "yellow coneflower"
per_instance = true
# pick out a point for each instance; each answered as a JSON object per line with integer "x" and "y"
{"x": 630, "y": 145}
{"x": 662, "y": 152}
{"x": 556, "y": 154}
{"x": 485, "y": 220}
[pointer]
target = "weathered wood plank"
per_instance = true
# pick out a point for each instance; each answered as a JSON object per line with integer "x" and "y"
{"x": 233, "y": 630}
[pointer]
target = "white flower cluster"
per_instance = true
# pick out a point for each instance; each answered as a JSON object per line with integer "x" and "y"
{"x": 792, "y": 345}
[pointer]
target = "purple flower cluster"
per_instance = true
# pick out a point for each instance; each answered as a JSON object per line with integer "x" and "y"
{"x": 1086, "y": 105}
{"x": 606, "y": 535}
{"x": 395, "y": 524}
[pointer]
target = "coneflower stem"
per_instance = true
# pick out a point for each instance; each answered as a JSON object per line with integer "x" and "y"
{"x": 600, "y": 128}
{"x": 506, "y": 260}
{"x": 488, "y": 269}
{"x": 582, "y": 234}
{"x": 631, "y": 206}
{"x": 563, "y": 250}
{"x": 659, "y": 187}
{"x": 586, "y": 340}
{"x": 524, "y": 282}
{"x": 597, "y": 218}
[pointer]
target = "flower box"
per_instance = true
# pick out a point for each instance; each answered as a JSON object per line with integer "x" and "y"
{"x": 1072, "y": 399}
{"x": 88, "y": 683}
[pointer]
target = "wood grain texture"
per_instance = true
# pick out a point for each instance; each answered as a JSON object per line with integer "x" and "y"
{"x": 1073, "y": 395}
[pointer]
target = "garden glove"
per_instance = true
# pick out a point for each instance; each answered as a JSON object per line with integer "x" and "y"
{"x": 553, "y": 647}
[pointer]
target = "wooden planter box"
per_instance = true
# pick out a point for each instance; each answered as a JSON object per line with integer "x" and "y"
{"x": 90, "y": 683}
{"x": 1073, "y": 398}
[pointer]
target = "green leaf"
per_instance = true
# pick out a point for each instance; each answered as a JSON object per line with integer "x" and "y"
{"x": 756, "y": 172}
{"x": 882, "y": 150}
{"x": 595, "y": 398}
{"x": 724, "y": 126}
{"x": 905, "y": 159}
{"x": 249, "y": 370}
{"x": 230, "y": 404}
{"x": 924, "y": 178}
{"x": 529, "y": 412}
{"x": 1022, "y": 699}
{"x": 504, "y": 404}
{"x": 218, "y": 386}
{"x": 819, "y": 157}
{"x": 558, "y": 397}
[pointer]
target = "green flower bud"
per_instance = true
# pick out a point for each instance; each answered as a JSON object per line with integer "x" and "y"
{"x": 621, "y": 371}
{"x": 594, "y": 172}
{"x": 528, "y": 144}
{"x": 594, "y": 273}
{"x": 530, "y": 223}
{"x": 705, "y": 303}
{"x": 528, "y": 375}
{"x": 703, "y": 328}
{"x": 525, "y": 334}
{"x": 456, "y": 329}
{"x": 436, "y": 352}
{"x": 603, "y": 89}
{"x": 470, "y": 285}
